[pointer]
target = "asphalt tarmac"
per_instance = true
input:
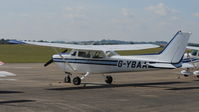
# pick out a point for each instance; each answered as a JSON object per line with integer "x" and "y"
{"x": 39, "y": 89}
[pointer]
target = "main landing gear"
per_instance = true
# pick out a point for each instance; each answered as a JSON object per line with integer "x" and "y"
{"x": 77, "y": 80}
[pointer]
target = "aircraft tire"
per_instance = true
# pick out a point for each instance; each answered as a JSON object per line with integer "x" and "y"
{"x": 109, "y": 79}
{"x": 76, "y": 81}
{"x": 67, "y": 79}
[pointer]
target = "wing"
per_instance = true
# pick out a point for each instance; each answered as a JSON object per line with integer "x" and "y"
{"x": 193, "y": 48}
{"x": 97, "y": 47}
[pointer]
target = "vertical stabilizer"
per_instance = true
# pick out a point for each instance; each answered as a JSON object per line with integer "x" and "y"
{"x": 174, "y": 50}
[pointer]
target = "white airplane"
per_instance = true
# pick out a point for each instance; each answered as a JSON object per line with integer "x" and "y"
{"x": 5, "y": 73}
{"x": 102, "y": 59}
{"x": 191, "y": 61}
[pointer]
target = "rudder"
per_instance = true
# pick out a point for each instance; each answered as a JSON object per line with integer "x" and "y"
{"x": 174, "y": 50}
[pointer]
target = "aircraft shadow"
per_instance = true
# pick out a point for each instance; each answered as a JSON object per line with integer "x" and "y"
{"x": 16, "y": 101}
{"x": 98, "y": 86}
{"x": 183, "y": 88}
{"x": 10, "y": 92}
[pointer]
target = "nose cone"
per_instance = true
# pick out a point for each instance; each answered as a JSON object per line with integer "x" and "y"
{"x": 56, "y": 56}
{"x": 60, "y": 56}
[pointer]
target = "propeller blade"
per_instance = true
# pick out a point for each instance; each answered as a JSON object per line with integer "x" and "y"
{"x": 49, "y": 62}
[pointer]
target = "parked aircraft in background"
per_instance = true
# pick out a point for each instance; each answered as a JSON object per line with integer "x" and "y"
{"x": 191, "y": 62}
{"x": 102, "y": 59}
{"x": 5, "y": 73}
{"x": 1, "y": 63}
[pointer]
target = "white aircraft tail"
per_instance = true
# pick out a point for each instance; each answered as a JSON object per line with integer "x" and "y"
{"x": 174, "y": 50}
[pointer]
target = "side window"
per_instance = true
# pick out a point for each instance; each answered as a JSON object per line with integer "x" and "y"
{"x": 81, "y": 54}
{"x": 84, "y": 54}
{"x": 74, "y": 53}
{"x": 194, "y": 52}
{"x": 109, "y": 53}
{"x": 98, "y": 55}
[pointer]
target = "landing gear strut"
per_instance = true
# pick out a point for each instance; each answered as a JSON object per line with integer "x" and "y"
{"x": 109, "y": 79}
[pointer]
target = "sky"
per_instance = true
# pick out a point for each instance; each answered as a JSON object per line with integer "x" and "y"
{"x": 79, "y": 20}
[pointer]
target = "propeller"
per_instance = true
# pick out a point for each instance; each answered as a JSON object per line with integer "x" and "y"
{"x": 51, "y": 60}
{"x": 48, "y": 62}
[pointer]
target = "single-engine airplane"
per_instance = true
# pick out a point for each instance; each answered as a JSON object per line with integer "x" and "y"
{"x": 102, "y": 59}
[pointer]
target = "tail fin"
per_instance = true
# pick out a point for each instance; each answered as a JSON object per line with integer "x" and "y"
{"x": 174, "y": 50}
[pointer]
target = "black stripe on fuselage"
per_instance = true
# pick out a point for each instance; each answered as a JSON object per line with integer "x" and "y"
{"x": 88, "y": 61}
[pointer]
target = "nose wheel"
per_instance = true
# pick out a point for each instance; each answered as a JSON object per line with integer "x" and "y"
{"x": 67, "y": 79}
{"x": 109, "y": 79}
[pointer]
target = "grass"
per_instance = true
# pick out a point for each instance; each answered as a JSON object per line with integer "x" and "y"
{"x": 25, "y": 53}
{"x": 40, "y": 54}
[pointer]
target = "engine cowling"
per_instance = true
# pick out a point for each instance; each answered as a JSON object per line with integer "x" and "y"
{"x": 186, "y": 73}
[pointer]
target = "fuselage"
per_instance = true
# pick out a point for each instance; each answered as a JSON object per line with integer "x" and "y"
{"x": 101, "y": 65}
{"x": 110, "y": 64}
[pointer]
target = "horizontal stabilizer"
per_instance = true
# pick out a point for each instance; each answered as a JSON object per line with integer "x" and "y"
{"x": 187, "y": 65}
{"x": 162, "y": 65}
